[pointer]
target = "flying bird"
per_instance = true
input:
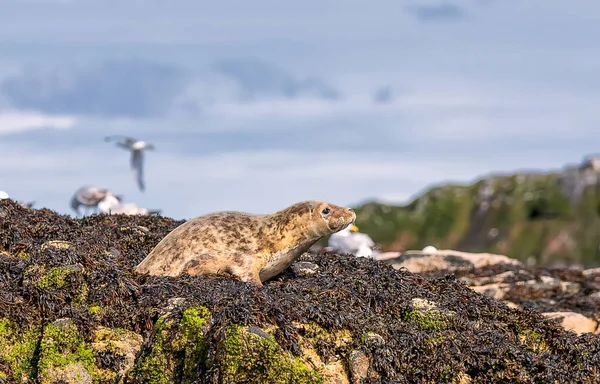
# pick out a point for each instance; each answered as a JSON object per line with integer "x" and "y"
{"x": 137, "y": 148}
{"x": 89, "y": 197}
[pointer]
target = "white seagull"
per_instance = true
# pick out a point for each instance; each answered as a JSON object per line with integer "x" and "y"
{"x": 112, "y": 205}
{"x": 349, "y": 240}
{"x": 89, "y": 197}
{"x": 137, "y": 155}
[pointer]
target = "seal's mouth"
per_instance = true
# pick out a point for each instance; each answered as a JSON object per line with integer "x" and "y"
{"x": 342, "y": 224}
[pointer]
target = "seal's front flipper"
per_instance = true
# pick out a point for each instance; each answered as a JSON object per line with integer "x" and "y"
{"x": 253, "y": 279}
{"x": 244, "y": 275}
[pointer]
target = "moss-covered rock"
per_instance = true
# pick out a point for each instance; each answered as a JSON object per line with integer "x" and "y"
{"x": 178, "y": 348}
{"x": 64, "y": 355}
{"x": 17, "y": 348}
{"x": 349, "y": 320}
{"x": 250, "y": 355}
{"x": 115, "y": 352}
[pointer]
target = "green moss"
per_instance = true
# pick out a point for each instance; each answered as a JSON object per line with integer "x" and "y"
{"x": 56, "y": 278}
{"x": 157, "y": 367}
{"x": 252, "y": 358}
{"x": 17, "y": 347}
{"x": 23, "y": 255}
{"x": 94, "y": 309}
{"x": 174, "y": 341}
{"x": 533, "y": 340}
{"x": 428, "y": 318}
{"x": 192, "y": 339}
{"x": 62, "y": 346}
{"x": 434, "y": 340}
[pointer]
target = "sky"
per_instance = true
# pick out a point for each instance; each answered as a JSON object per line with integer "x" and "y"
{"x": 253, "y": 106}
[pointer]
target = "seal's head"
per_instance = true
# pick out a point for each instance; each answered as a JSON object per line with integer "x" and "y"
{"x": 315, "y": 218}
{"x": 333, "y": 217}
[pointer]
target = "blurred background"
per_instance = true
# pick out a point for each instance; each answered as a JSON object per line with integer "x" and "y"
{"x": 254, "y": 105}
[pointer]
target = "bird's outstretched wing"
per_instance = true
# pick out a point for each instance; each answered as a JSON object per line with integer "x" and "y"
{"x": 125, "y": 141}
{"x": 137, "y": 163}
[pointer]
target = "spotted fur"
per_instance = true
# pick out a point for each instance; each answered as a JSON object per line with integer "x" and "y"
{"x": 249, "y": 247}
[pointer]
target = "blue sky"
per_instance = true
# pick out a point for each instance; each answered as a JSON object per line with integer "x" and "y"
{"x": 253, "y": 106}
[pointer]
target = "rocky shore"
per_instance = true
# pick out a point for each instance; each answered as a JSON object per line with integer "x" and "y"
{"x": 570, "y": 294}
{"x": 72, "y": 311}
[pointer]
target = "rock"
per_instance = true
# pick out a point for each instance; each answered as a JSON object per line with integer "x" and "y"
{"x": 64, "y": 356}
{"x": 117, "y": 345}
{"x": 373, "y": 338}
{"x": 510, "y": 304}
{"x": 359, "y": 366}
{"x": 449, "y": 260}
{"x": 304, "y": 268}
{"x": 569, "y": 287}
{"x": 595, "y": 295}
{"x": 497, "y": 291}
{"x": 591, "y": 273}
{"x": 574, "y": 321}
{"x": 61, "y": 244}
{"x": 72, "y": 373}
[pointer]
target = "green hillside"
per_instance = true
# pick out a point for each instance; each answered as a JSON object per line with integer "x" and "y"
{"x": 549, "y": 216}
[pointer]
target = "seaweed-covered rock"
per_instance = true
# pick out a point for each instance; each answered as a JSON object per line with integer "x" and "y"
{"x": 78, "y": 313}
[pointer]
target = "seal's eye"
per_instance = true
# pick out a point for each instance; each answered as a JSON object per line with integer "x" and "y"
{"x": 326, "y": 211}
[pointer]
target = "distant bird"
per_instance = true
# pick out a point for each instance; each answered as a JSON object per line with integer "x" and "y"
{"x": 111, "y": 205}
{"x": 349, "y": 240}
{"x": 137, "y": 155}
{"x": 89, "y": 197}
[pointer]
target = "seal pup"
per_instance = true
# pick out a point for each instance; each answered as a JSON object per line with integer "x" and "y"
{"x": 249, "y": 247}
{"x": 137, "y": 156}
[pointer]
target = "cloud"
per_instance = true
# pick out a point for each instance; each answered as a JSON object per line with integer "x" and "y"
{"x": 13, "y": 122}
{"x": 383, "y": 95}
{"x": 257, "y": 78}
{"x": 129, "y": 88}
{"x": 438, "y": 12}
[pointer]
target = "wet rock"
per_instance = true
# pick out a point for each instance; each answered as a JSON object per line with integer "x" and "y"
{"x": 359, "y": 366}
{"x": 64, "y": 356}
{"x": 304, "y": 268}
{"x": 449, "y": 260}
{"x": 372, "y": 338}
{"x": 497, "y": 291}
{"x": 60, "y": 244}
{"x": 591, "y": 273}
{"x": 574, "y": 321}
{"x": 115, "y": 351}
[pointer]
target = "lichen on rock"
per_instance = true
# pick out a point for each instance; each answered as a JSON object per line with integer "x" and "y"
{"x": 64, "y": 355}
{"x": 177, "y": 345}
{"x": 248, "y": 354}
{"x": 17, "y": 348}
